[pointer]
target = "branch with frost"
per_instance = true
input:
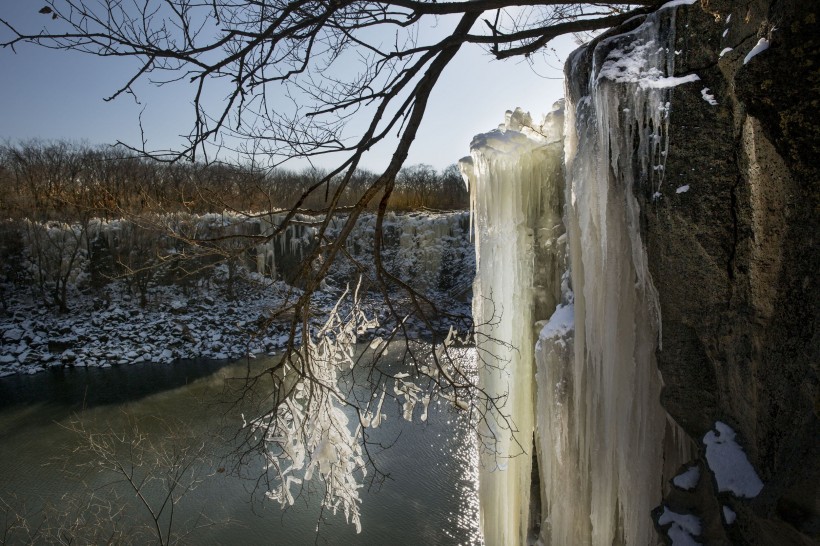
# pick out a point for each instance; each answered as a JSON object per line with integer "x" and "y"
{"x": 319, "y": 428}
{"x": 309, "y": 432}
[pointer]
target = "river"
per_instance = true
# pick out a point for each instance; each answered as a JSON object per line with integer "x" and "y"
{"x": 429, "y": 498}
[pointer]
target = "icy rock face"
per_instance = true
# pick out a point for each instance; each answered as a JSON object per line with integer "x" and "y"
{"x": 284, "y": 251}
{"x": 424, "y": 248}
{"x": 604, "y": 431}
{"x": 430, "y": 250}
{"x": 515, "y": 180}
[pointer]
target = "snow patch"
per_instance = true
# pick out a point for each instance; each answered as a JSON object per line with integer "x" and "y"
{"x": 708, "y": 97}
{"x": 729, "y": 515}
{"x": 728, "y": 462}
{"x": 724, "y": 51}
{"x": 682, "y": 189}
{"x": 13, "y": 334}
{"x": 683, "y": 527}
{"x": 560, "y": 324}
{"x": 671, "y": 81}
{"x": 761, "y": 46}
{"x": 687, "y": 480}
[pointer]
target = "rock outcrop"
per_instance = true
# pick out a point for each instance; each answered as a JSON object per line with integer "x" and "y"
{"x": 734, "y": 258}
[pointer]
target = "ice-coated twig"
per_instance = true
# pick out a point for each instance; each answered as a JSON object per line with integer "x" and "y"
{"x": 310, "y": 431}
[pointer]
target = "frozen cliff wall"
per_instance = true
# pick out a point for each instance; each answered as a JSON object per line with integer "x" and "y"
{"x": 516, "y": 189}
{"x": 430, "y": 250}
{"x": 691, "y": 217}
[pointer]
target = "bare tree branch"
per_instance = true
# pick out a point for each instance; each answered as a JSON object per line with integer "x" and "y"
{"x": 291, "y": 76}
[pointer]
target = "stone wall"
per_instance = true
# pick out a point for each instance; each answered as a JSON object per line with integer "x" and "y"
{"x": 736, "y": 263}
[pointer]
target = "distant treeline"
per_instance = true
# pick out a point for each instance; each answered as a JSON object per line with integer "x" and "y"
{"x": 45, "y": 180}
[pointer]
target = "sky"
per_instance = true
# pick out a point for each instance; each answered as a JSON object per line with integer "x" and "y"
{"x": 47, "y": 94}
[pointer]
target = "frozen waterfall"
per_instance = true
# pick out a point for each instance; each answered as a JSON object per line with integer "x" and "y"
{"x": 515, "y": 178}
{"x": 603, "y": 442}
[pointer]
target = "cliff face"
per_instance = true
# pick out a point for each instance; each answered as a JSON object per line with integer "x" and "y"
{"x": 735, "y": 259}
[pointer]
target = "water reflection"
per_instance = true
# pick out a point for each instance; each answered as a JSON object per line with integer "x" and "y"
{"x": 429, "y": 496}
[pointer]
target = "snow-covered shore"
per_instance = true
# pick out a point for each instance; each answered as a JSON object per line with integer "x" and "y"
{"x": 115, "y": 330}
{"x": 111, "y": 328}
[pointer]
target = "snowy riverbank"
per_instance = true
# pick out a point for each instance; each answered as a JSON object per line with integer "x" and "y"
{"x": 112, "y": 329}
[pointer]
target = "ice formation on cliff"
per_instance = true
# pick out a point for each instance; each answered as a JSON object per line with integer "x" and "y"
{"x": 603, "y": 439}
{"x": 604, "y": 431}
{"x": 516, "y": 199}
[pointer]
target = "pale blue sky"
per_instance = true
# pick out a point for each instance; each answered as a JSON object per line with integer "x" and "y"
{"x": 59, "y": 95}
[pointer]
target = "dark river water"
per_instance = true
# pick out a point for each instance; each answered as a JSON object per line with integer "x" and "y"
{"x": 429, "y": 498}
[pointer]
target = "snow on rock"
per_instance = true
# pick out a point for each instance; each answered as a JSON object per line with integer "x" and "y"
{"x": 761, "y": 46}
{"x": 683, "y": 528}
{"x": 668, "y": 82}
{"x": 729, "y": 515}
{"x": 688, "y": 479}
{"x": 641, "y": 62}
{"x": 96, "y": 335}
{"x": 560, "y": 324}
{"x": 12, "y": 334}
{"x": 729, "y": 464}
{"x": 708, "y": 97}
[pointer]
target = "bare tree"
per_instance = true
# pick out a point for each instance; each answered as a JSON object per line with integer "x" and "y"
{"x": 304, "y": 50}
{"x": 132, "y": 486}
{"x": 418, "y": 182}
{"x": 333, "y": 62}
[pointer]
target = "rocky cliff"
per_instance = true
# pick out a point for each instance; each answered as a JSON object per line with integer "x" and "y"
{"x": 734, "y": 258}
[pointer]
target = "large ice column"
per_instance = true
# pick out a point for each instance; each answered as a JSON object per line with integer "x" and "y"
{"x": 516, "y": 186}
{"x": 601, "y": 426}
